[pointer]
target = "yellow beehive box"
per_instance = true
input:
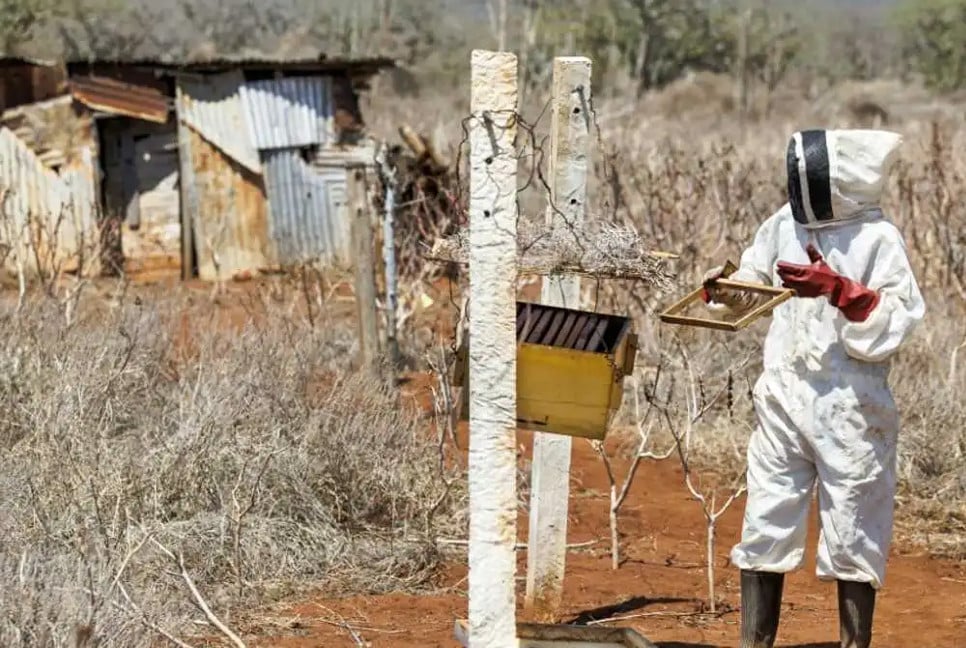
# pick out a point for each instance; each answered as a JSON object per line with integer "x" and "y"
{"x": 571, "y": 367}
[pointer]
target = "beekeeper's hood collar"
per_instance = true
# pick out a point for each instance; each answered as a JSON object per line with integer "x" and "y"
{"x": 836, "y": 175}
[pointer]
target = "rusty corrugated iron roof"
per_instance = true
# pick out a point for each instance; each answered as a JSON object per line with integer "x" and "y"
{"x": 320, "y": 64}
{"x": 120, "y": 98}
{"x": 220, "y": 63}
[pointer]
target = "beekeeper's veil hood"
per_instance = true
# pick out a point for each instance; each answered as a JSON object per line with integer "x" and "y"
{"x": 836, "y": 175}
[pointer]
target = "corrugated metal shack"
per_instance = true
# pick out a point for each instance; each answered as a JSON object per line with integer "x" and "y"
{"x": 210, "y": 169}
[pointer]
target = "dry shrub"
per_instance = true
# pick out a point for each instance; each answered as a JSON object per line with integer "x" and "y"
{"x": 265, "y": 478}
{"x": 702, "y": 94}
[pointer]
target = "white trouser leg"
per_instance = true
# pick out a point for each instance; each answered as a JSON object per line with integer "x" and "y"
{"x": 855, "y": 439}
{"x": 781, "y": 475}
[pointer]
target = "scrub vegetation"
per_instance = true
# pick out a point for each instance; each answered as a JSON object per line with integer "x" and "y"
{"x": 155, "y": 457}
{"x": 170, "y": 458}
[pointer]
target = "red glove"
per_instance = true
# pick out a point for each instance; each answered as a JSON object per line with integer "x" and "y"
{"x": 854, "y": 300}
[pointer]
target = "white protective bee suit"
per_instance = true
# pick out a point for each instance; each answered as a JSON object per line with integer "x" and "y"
{"x": 826, "y": 414}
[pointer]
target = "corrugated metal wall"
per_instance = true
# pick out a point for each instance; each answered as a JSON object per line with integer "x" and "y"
{"x": 289, "y": 123}
{"x": 307, "y": 208}
{"x": 231, "y": 229}
{"x": 288, "y": 113}
{"x": 212, "y": 106}
{"x": 54, "y": 212}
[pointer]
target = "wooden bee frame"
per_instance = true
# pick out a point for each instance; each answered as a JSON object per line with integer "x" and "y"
{"x": 673, "y": 314}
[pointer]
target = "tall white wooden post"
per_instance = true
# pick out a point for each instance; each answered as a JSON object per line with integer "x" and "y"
{"x": 550, "y": 481}
{"x": 492, "y": 362}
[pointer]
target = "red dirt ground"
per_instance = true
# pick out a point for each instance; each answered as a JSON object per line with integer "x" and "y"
{"x": 662, "y": 579}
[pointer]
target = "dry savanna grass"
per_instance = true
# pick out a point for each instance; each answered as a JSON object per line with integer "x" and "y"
{"x": 145, "y": 470}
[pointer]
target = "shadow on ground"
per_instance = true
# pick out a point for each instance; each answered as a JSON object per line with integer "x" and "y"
{"x": 629, "y": 606}
{"x": 678, "y": 644}
{"x": 634, "y": 605}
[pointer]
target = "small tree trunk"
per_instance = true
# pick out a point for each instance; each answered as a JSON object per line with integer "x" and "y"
{"x": 615, "y": 546}
{"x": 712, "y": 524}
{"x": 364, "y": 269}
{"x": 642, "y": 65}
{"x": 502, "y": 28}
{"x": 741, "y": 90}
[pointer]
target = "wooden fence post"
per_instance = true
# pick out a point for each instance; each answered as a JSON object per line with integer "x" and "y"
{"x": 188, "y": 185}
{"x": 492, "y": 357}
{"x": 365, "y": 272}
{"x": 570, "y": 129}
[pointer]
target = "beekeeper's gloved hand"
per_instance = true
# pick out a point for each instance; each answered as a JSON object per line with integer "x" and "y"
{"x": 852, "y": 298}
{"x": 736, "y": 301}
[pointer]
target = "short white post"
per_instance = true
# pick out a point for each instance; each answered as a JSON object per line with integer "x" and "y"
{"x": 492, "y": 362}
{"x": 550, "y": 480}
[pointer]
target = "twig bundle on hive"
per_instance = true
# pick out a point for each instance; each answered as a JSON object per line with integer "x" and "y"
{"x": 603, "y": 250}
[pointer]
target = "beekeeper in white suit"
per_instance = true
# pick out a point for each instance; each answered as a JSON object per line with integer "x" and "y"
{"x": 826, "y": 414}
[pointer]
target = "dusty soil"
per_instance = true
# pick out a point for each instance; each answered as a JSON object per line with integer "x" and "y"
{"x": 662, "y": 581}
{"x": 659, "y": 590}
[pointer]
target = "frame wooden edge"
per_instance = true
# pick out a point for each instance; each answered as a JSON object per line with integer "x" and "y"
{"x": 781, "y": 297}
{"x": 778, "y": 296}
{"x": 682, "y": 303}
{"x": 719, "y": 325}
{"x": 753, "y": 287}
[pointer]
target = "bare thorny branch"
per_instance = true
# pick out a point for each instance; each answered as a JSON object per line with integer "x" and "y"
{"x": 606, "y": 249}
{"x": 695, "y": 411}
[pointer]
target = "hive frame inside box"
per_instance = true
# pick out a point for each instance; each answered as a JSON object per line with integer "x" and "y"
{"x": 672, "y": 315}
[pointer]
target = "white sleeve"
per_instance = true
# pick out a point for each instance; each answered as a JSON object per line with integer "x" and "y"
{"x": 758, "y": 260}
{"x": 900, "y": 308}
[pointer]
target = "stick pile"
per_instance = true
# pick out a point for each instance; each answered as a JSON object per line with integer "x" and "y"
{"x": 602, "y": 250}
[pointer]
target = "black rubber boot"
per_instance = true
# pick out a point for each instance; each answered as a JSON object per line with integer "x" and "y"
{"x": 761, "y": 604}
{"x": 856, "y": 608}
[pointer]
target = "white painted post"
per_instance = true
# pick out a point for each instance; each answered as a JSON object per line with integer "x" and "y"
{"x": 389, "y": 260}
{"x": 550, "y": 480}
{"x": 492, "y": 362}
